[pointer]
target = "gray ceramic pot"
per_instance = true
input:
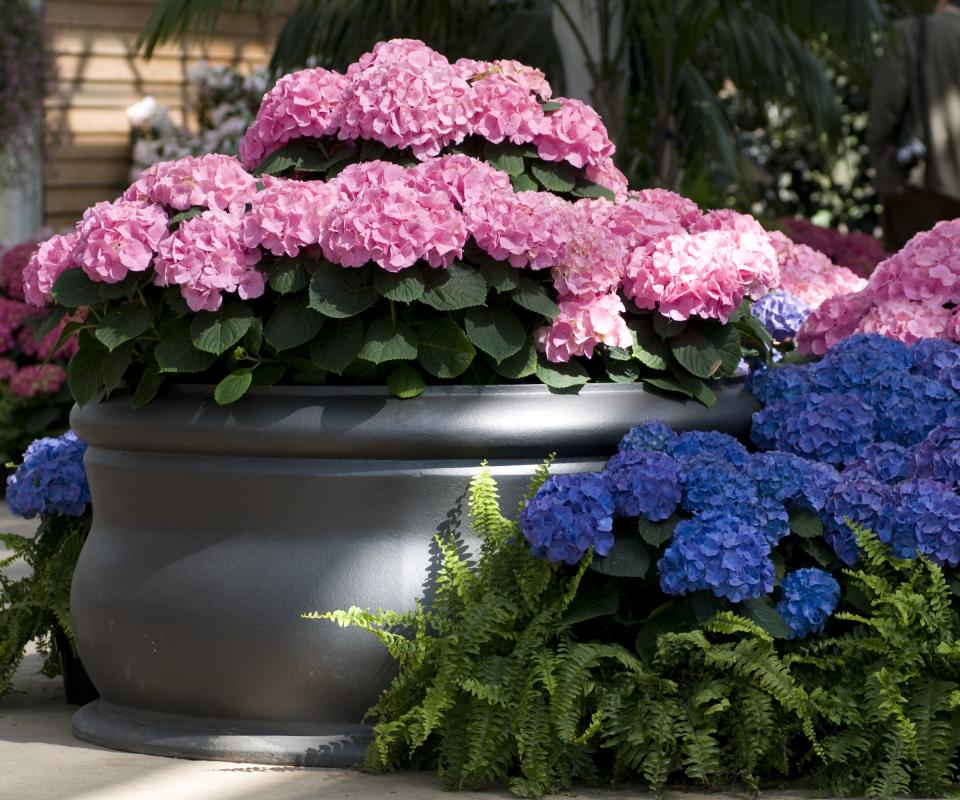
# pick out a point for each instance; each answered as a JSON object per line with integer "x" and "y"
{"x": 215, "y": 528}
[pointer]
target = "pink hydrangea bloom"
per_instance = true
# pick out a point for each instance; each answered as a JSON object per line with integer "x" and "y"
{"x": 670, "y": 205}
{"x": 927, "y": 268}
{"x": 525, "y": 228}
{"x": 13, "y": 313}
{"x": 835, "y": 319}
{"x": 907, "y": 320}
{"x": 206, "y": 257}
{"x": 808, "y": 274}
{"x": 8, "y": 368}
{"x": 212, "y": 181}
{"x": 575, "y": 133}
{"x": 530, "y": 78}
{"x": 466, "y": 180}
{"x": 288, "y": 215}
{"x": 394, "y": 224}
{"x": 38, "y": 379}
{"x": 583, "y": 323}
{"x": 607, "y": 174}
{"x": 304, "y": 103}
{"x": 117, "y": 238}
{"x": 504, "y": 109}
{"x": 754, "y": 254}
{"x": 858, "y": 252}
{"x": 13, "y": 263}
{"x": 48, "y": 262}
{"x": 643, "y": 218}
{"x": 42, "y": 349}
{"x": 592, "y": 262}
{"x": 404, "y": 94}
{"x": 357, "y": 177}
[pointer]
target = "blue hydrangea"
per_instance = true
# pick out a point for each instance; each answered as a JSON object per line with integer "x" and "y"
{"x": 925, "y": 352}
{"x": 807, "y": 599}
{"x": 766, "y": 515}
{"x": 852, "y": 365}
{"x": 886, "y": 462}
{"x": 568, "y": 515}
{"x": 778, "y": 384}
{"x": 51, "y": 479}
{"x": 643, "y": 484}
{"x": 712, "y": 444}
{"x": 653, "y": 435}
{"x": 864, "y": 501}
{"x": 908, "y": 406}
{"x": 766, "y": 423}
{"x": 938, "y": 456}
{"x": 927, "y": 521}
{"x": 719, "y": 552}
{"x": 792, "y": 480}
{"x": 831, "y": 428}
{"x": 821, "y": 478}
{"x": 947, "y": 365}
{"x": 781, "y": 313}
{"x": 708, "y": 483}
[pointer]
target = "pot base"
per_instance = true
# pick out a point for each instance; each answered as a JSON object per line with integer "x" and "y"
{"x": 213, "y": 740}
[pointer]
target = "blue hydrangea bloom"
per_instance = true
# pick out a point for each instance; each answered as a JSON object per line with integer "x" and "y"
{"x": 766, "y": 423}
{"x": 886, "y": 462}
{"x": 653, "y": 435}
{"x": 908, "y": 406}
{"x": 51, "y": 479}
{"x": 924, "y": 354}
{"x": 781, "y": 313}
{"x": 821, "y": 480}
{"x": 713, "y": 444}
{"x": 643, "y": 484}
{"x": 831, "y": 428}
{"x": 938, "y": 456}
{"x": 778, "y": 384}
{"x": 807, "y": 599}
{"x": 568, "y": 515}
{"x": 864, "y": 501}
{"x": 927, "y": 521}
{"x": 719, "y": 552}
{"x": 792, "y": 480}
{"x": 708, "y": 483}
{"x": 766, "y": 515}
{"x": 852, "y": 365}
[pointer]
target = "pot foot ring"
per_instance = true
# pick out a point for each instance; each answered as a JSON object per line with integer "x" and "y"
{"x": 102, "y": 727}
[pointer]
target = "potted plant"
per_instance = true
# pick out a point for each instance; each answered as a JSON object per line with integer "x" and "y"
{"x": 299, "y": 359}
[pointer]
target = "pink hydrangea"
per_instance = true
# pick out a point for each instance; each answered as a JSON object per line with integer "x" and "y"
{"x": 117, "y": 238}
{"x": 606, "y": 174}
{"x": 357, "y": 177}
{"x": 592, "y": 262}
{"x": 48, "y": 262}
{"x": 466, "y": 180}
{"x": 858, "y": 252}
{"x": 211, "y": 181}
{"x": 288, "y": 215}
{"x": 305, "y": 103}
{"x": 13, "y": 263}
{"x": 644, "y": 218}
{"x": 394, "y": 224}
{"x": 8, "y": 368}
{"x": 575, "y": 133}
{"x": 530, "y": 78}
{"x": 583, "y": 323}
{"x": 753, "y": 253}
{"x": 927, "y": 268}
{"x": 206, "y": 257}
{"x": 907, "y": 320}
{"x": 504, "y": 109}
{"x": 404, "y": 94}
{"x": 687, "y": 275}
{"x": 808, "y": 274}
{"x": 13, "y": 313}
{"x": 525, "y": 228}
{"x": 38, "y": 379}
{"x": 835, "y": 319}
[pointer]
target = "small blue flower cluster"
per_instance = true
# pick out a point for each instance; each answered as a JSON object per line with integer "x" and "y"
{"x": 51, "y": 479}
{"x": 643, "y": 483}
{"x": 807, "y": 599}
{"x": 781, "y": 313}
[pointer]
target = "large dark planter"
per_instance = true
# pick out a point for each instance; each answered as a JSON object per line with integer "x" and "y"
{"x": 214, "y": 528}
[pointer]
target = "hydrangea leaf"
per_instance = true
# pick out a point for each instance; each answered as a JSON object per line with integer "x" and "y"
{"x": 388, "y": 340}
{"x": 183, "y": 216}
{"x": 601, "y": 601}
{"x": 535, "y": 297}
{"x": 404, "y": 286}
{"x": 337, "y": 345}
{"x": 454, "y": 288}
{"x": 657, "y": 534}
{"x": 805, "y": 523}
{"x": 594, "y": 190}
{"x": 147, "y": 387}
{"x": 628, "y": 558}
{"x": 550, "y": 106}
{"x": 554, "y": 176}
{"x": 339, "y": 293}
{"x": 499, "y": 277}
{"x": 292, "y": 324}
{"x": 648, "y": 348}
{"x": 506, "y": 157}
{"x": 176, "y": 354}
{"x": 762, "y": 611}
{"x": 495, "y": 331}
{"x": 267, "y": 374}
{"x": 124, "y": 288}
{"x": 83, "y": 371}
{"x": 253, "y": 339}
{"x": 522, "y": 364}
{"x": 233, "y": 387}
{"x": 666, "y": 327}
{"x": 445, "y": 351}
{"x": 561, "y": 376}
{"x": 622, "y": 371}
{"x": 523, "y": 183}
{"x": 668, "y": 384}
{"x": 123, "y": 323}
{"x": 217, "y": 331}
{"x": 53, "y": 318}
{"x": 74, "y": 289}
{"x": 696, "y": 353}
{"x": 726, "y": 340}
{"x": 697, "y": 388}
{"x": 114, "y": 365}
{"x": 288, "y": 277}
{"x": 406, "y": 382}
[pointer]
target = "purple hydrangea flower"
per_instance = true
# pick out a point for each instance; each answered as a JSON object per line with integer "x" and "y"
{"x": 852, "y": 365}
{"x": 568, "y": 515}
{"x": 719, "y": 552}
{"x": 708, "y": 483}
{"x": 653, "y": 435}
{"x": 643, "y": 483}
{"x": 864, "y": 501}
{"x": 766, "y": 424}
{"x": 886, "y": 462}
{"x": 908, "y": 406}
{"x": 766, "y": 515}
{"x": 807, "y": 599}
{"x": 51, "y": 479}
{"x": 925, "y": 352}
{"x": 777, "y": 384}
{"x": 938, "y": 456}
{"x": 927, "y": 521}
{"x": 831, "y": 428}
{"x": 792, "y": 480}
{"x": 712, "y": 444}
{"x": 781, "y": 313}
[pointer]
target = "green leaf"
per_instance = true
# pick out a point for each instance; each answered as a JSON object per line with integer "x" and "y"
{"x": 388, "y": 340}
{"x": 535, "y": 297}
{"x": 506, "y": 157}
{"x": 173, "y": 300}
{"x": 288, "y": 277}
{"x": 554, "y": 176}
{"x": 597, "y": 601}
{"x": 147, "y": 387}
{"x": 74, "y": 289}
{"x": 620, "y": 371}
{"x": 339, "y": 292}
{"x": 628, "y": 558}
{"x": 458, "y": 286}
{"x": 114, "y": 366}
{"x": 726, "y": 340}
{"x": 696, "y": 353}
{"x": 523, "y": 183}
{"x": 337, "y": 345}
{"x": 217, "y": 331}
{"x": 123, "y": 323}
{"x": 124, "y": 288}
{"x": 292, "y": 324}
{"x": 253, "y": 339}
{"x": 84, "y": 370}
{"x": 561, "y": 376}
{"x": 594, "y": 190}
{"x": 521, "y": 365}
{"x": 495, "y": 331}
{"x": 657, "y": 534}
{"x": 49, "y": 322}
{"x": 805, "y": 523}
{"x": 183, "y": 216}
{"x": 267, "y": 374}
{"x": 820, "y": 552}
{"x": 549, "y": 106}
{"x": 445, "y": 351}
{"x": 666, "y": 327}
{"x": 176, "y": 354}
{"x": 697, "y": 388}
{"x": 233, "y": 387}
{"x": 499, "y": 277}
{"x": 764, "y": 613}
{"x": 648, "y": 348}
{"x": 405, "y": 382}
{"x": 404, "y": 286}
{"x": 668, "y": 384}
{"x": 276, "y": 163}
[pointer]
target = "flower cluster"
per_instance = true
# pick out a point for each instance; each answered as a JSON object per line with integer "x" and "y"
{"x": 807, "y": 599}
{"x": 809, "y": 275}
{"x": 51, "y": 479}
{"x": 643, "y": 484}
{"x": 781, "y": 313}
{"x": 858, "y": 252}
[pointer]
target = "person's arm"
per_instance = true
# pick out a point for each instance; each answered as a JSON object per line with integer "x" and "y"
{"x": 889, "y": 95}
